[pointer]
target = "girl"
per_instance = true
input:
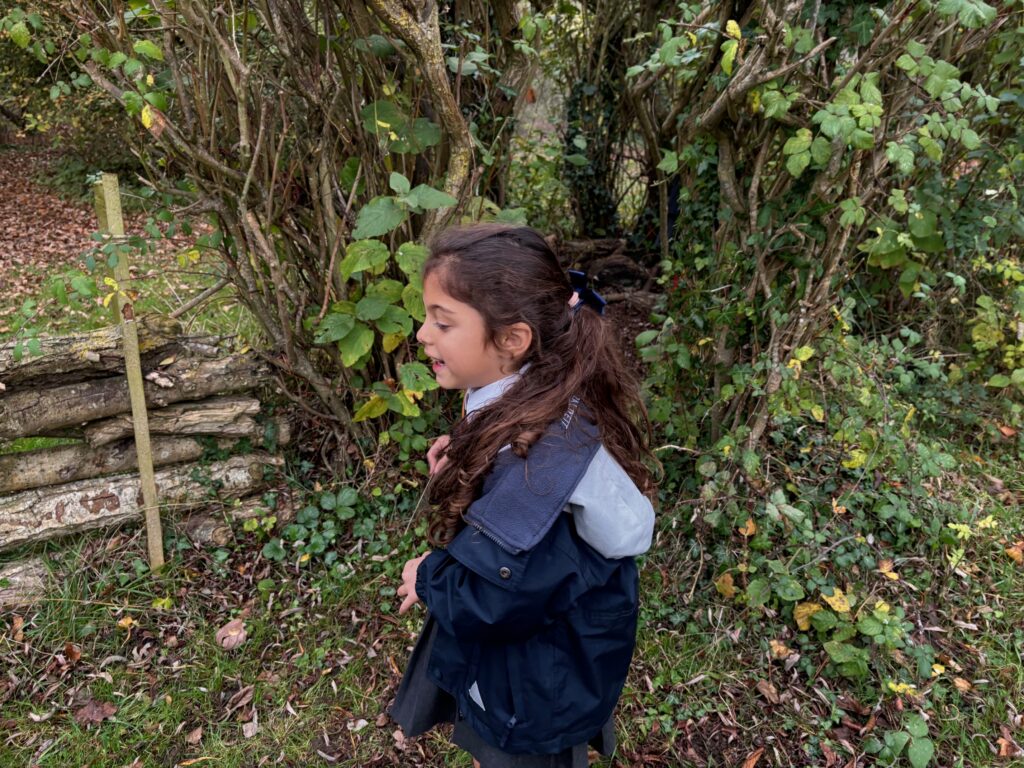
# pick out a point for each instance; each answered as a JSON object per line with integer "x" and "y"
{"x": 540, "y": 497}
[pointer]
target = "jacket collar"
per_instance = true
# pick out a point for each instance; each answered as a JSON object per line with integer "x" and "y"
{"x": 478, "y": 397}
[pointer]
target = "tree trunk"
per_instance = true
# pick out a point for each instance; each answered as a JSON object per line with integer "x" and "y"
{"x": 222, "y": 416}
{"x": 88, "y": 355}
{"x": 67, "y": 463}
{"x": 39, "y": 515}
{"x": 34, "y": 412}
{"x": 21, "y": 583}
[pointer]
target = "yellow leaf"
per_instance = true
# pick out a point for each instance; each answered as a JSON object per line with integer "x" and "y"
{"x": 885, "y": 568}
{"x": 147, "y": 116}
{"x": 937, "y": 669}
{"x": 779, "y": 649}
{"x": 858, "y": 458}
{"x": 150, "y": 79}
{"x": 725, "y": 586}
{"x": 749, "y": 528}
{"x": 111, "y": 282}
{"x": 693, "y": 38}
{"x": 163, "y": 603}
{"x": 732, "y": 29}
{"x": 837, "y": 601}
{"x": 803, "y": 612}
{"x": 107, "y": 298}
{"x": 304, "y": 558}
{"x": 962, "y": 685}
{"x": 837, "y": 508}
{"x": 391, "y": 341}
{"x": 818, "y": 412}
{"x": 126, "y": 623}
{"x": 900, "y": 688}
{"x": 986, "y": 523}
{"x": 882, "y": 607}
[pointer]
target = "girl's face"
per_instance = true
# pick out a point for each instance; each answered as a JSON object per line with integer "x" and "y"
{"x": 454, "y": 336}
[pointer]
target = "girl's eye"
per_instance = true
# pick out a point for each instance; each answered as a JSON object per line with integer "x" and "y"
{"x": 441, "y": 326}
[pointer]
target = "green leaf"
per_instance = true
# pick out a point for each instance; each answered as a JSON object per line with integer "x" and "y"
{"x": 20, "y": 35}
{"x": 428, "y": 198}
{"x": 412, "y": 300}
{"x": 422, "y": 134}
{"x": 399, "y": 402}
{"x": 916, "y": 49}
{"x": 821, "y": 150}
{"x": 132, "y": 66}
{"x": 273, "y": 550}
{"x": 669, "y": 162}
{"x": 923, "y": 223}
{"x": 999, "y": 380}
{"x": 901, "y": 156}
{"x": 410, "y": 258}
{"x": 970, "y": 139}
{"x": 915, "y": 724}
{"x": 371, "y": 409}
{"x": 417, "y": 377}
{"x": 363, "y": 255}
{"x": 840, "y": 652}
{"x": 920, "y": 752}
{"x": 356, "y": 343}
{"x": 803, "y": 354}
{"x": 646, "y": 337}
{"x": 775, "y": 103}
{"x": 387, "y": 289}
{"x": 796, "y": 164}
{"x": 371, "y": 307}
{"x": 334, "y": 327}
{"x": 861, "y": 139}
{"x": 729, "y": 51}
{"x": 577, "y": 159}
{"x": 149, "y": 49}
{"x": 378, "y": 217}
{"x": 758, "y": 592}
{"x": 381, "y": 118}
{"x": 789, "y": 589}
{"x": 798, "y": 143}
{"x": 399, "y": 184}
{"x": 971, "y": 13}
{"x": 944, "y": 77}
{"x": 870, "y": 626}
{"x": 395, "y": 320}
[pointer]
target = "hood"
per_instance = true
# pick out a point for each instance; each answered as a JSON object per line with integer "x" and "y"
{"x": 611, "y": 514}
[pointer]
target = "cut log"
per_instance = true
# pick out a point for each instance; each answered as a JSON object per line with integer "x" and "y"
{"x": 66, "y": 463}
{"x": 207, "y": 529}
{"x": 66, "y": 359}
{"x": 46, "y": 513}
{"x": 225, "y": 416}
{"x": 41, "y": 411}
{"x": 22, "y": 583}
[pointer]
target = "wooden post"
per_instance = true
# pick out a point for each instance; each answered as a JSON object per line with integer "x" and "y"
{"x": 108, "y": 209}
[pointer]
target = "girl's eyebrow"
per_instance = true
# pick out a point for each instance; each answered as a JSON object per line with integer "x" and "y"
{"x": 439, "y": 308}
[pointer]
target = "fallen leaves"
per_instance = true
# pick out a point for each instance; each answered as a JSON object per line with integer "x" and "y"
{"x": 1016, "y": 552}
{"x": 753, "y": 757}
{"x": 749, "y": 528}
{"x": 885, "y": 567}
{"x": 766, "y": 689}
{"x": 94, "y": 712}
{"x": 724, "y": 585}
{"x": 231, "y": 635}
{"x": 802, "y": 614}
{"x": 779, "y": 649}
{"x": 837, "y": 601}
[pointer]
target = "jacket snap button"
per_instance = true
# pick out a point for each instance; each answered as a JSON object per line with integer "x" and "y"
{"x": 504, "y": 572}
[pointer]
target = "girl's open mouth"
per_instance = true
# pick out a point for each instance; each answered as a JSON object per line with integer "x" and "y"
{"x": 437, "y": 366}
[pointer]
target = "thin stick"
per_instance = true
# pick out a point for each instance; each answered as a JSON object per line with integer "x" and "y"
{"x": 108, "y": 210}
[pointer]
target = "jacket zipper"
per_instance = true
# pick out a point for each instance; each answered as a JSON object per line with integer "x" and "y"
{"x": 495, "y": 538}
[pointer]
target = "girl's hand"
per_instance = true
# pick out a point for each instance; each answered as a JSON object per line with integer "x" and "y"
{"x": 408, "y": 589}
{"x": 435, "y": 461}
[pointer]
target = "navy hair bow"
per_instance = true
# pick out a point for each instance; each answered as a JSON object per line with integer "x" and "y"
{"x": 588, "y": 296}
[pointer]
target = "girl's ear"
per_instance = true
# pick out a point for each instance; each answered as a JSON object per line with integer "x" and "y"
{"x": 515, "y": 340}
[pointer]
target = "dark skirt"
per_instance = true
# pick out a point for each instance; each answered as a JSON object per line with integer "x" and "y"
{"x": 420, "y": 705}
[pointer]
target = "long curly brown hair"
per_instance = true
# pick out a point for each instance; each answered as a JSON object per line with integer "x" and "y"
{"x": 510, "y": 275}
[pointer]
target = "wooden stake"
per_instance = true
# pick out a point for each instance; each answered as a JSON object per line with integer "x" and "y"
{"x": 108, "y": 209}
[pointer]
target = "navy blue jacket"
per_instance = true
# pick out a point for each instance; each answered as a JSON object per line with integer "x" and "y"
{"x": 536, "y": 629}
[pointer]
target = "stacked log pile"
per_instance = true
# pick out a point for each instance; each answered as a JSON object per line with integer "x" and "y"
{"x": 76, "y": 388}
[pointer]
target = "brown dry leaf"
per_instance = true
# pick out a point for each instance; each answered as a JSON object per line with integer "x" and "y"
{"x": 753, "y": 757}
{"x": 194, "y": 736}
{"x": 837, "y": 601}
{"x": 71, "y": 653}
{"x": 962, "y": 685}
{"x": 94, "y": 712}
{"x": 767, "y": 690}
{"x": 803, "y": 612}
{"x": 17, "y": 627}
{"x": 725, "y": 586}
{"x": 231, "y": 635}
{"x": 1016, "y": 552}
{"x": 779, "y": 649}
{"x": 251, "y": 728}
{"x": 1008, "y": 747}
{"x": 1007, "y": 431}
{"x": 749, "y": 528}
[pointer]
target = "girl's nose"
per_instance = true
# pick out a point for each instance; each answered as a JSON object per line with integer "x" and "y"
{"x": 421, "y": 334}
